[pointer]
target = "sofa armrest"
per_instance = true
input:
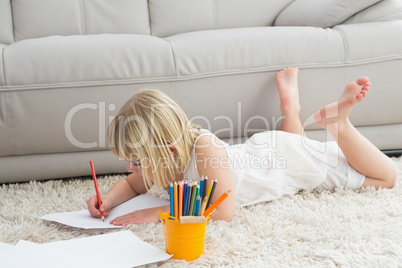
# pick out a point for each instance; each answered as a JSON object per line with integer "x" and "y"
{"x": 385, "y": 10}
{"x": 318, "y": 13}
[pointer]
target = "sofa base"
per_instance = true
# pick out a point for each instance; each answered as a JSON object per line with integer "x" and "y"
{"x": 393, "y": 153}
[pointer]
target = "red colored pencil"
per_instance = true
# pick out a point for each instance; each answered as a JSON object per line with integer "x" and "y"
{"x": 97, "y": 189}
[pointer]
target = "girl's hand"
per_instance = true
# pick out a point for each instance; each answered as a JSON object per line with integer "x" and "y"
{"x": 140, "y": 216}
{"x": 93, "y": 207}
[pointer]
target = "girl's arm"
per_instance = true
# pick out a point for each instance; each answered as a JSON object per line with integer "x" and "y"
{"x": 212, "y": 161}
{"x": 126, "y": 189}
{"x": 147, "y": 215}
{"x": 122, "y": 191}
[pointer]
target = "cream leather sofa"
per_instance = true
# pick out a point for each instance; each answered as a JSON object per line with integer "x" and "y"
{"x": 67, "y": 66}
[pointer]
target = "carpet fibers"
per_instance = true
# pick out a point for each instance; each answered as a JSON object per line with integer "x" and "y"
{"x": 345, "y": 228}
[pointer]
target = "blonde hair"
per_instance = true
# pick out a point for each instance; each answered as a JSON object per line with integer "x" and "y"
{"x": 144, "y": 128}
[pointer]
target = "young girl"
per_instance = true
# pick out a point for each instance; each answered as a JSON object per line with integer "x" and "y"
{"x": 160, "y": 145}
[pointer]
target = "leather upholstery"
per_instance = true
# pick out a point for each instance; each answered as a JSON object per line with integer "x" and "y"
{"x": 2, "y": 82}
{"x": 102, "y": 58}
{"x": 386, "y": 10}
{"x": 41, "y": 18}
{"x": 170, "y": 17}
{"x": 324, "y": 14}
{"x": 254, "y": 49}
{"x": 74, "y": 63}
{"x": 6, "y": 22}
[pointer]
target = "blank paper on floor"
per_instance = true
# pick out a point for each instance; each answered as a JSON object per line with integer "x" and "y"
{"x": 115, "y": 250}
{"x": 82, "y": 219}
{"x": 5, "y": 247}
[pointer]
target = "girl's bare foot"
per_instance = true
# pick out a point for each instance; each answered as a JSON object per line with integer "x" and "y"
{"x": 338, "y": 111}
{"x": 289, "y": 97}
{"x": 288, "y": 90}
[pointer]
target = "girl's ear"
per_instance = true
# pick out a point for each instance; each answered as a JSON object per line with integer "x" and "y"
{"x": 173, "y": 149}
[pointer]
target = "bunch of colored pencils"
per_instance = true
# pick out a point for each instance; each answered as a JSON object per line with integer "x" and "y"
{"x": 191, "y": 198}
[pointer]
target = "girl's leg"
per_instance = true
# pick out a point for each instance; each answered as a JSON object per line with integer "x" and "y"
{"x": 289, "y": 97}
{"x": 362, "y": 155}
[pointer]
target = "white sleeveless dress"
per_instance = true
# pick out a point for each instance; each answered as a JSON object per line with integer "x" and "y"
{"x": 272, "y": 164}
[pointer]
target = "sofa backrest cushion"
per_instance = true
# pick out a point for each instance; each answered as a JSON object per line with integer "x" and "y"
{"x": 320, "y": 13}
{"x": 41, "y": 18}
{"x": 169, "y": 17}
{"x": 385, "y": 10}
{"x": 6, "y": 23}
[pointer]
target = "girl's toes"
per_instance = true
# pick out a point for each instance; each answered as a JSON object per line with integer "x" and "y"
{"x": 364, "y": 93}
{"x": 366, "y": 88}
{"x": 362, "y": 80}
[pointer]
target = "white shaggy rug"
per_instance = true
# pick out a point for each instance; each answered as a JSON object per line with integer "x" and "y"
{"x": 345, "y": 228}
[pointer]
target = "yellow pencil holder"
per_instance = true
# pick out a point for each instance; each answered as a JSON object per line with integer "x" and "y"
{"x": 184, "y": 241}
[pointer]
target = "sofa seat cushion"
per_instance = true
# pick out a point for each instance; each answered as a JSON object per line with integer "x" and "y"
{"x": 231, "y": 51}
{"x": 2, "y": 47}
{"x": 109, "y": 59}
{"x": 6, "y": 22}
{"x": 226, "y": 51}
{"x": 78, "y": 60}
{"x": 372, "y": 42}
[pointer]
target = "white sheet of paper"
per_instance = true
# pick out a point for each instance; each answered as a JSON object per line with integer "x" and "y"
{"x": 5, "y": 247}
{"x": 82, "y": 219}
{"x": 115, "y": 250}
